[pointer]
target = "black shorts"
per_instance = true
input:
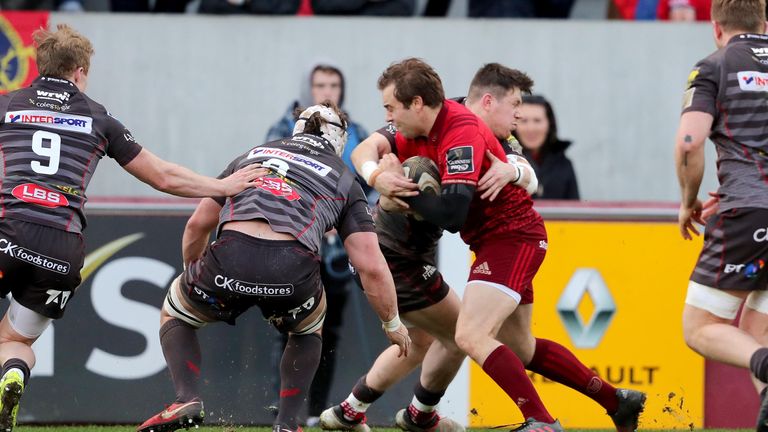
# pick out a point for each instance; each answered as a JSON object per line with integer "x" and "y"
{"x": 39, "y": 265}
{"x": 417, "y": 281}
{"x": 238, "y": 271}
{"x": 735, "y": 252}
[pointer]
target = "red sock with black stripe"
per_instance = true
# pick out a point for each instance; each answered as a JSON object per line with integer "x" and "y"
{"x": 506, "y": 369}
{"x": 554, "y": 361}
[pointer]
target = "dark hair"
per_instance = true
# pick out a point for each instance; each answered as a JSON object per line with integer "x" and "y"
{"x": 746, "y": 15}
{"x": 413, "y": 77}
{"x": 316, "y": 121}
{"x": 497, "y": 80}
{"x": 551, "y": 137}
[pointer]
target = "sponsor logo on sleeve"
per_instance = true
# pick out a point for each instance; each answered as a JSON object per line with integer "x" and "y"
{"x": 753, "y": 81}
{"x": 692, "y": 76}
{"x": 34, "y": 194}
{"x": 70, "y": 122}
{"x": 35, "y": 258}
{"x": 688, "y": 97}
{"x": 309, "y": 163}
{"x": 459, "y": 160}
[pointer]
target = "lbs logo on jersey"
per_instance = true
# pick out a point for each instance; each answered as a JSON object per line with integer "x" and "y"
{"x": 34, "y": 194}
{"x": 278, "y": 187}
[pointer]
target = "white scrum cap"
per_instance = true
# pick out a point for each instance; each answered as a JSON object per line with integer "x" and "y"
{"x": 334, "y": 129}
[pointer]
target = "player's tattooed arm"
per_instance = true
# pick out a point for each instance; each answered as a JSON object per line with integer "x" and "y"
{"x": 694, "y": 128}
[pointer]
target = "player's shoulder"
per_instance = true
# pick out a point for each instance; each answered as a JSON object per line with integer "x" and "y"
{"x": 460, "y": 117}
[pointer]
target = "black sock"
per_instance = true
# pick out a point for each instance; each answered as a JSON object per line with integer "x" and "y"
{"x": 758, "y": 364}
{"x": 427, "y": 397}
{"x": 363, "y": 393}
{"x": 182, "y": 354}
{"x": 18, "y": 364}
{"x": 297, "y": 369}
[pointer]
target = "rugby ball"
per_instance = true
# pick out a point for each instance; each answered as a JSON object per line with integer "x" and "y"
{"x": 424, "y": 172}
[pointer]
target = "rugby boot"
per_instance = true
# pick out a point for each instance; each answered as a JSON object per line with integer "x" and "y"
{"x": 533, "y": 425}
{"x": 283, "y": 428}
{"x": 333, "y": 419}
{"x": 631, "y": 405}
{"x": 404, "y": 421}
{"x": 176, "y": 416}
{"x": 762, "y": 415}
{"x": 11, "y": 388}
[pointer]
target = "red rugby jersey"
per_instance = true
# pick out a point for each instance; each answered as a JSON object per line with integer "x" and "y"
{"x": 457, "y": 143}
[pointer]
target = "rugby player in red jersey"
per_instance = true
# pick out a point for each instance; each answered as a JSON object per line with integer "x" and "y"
{"x": 494, "y": 96}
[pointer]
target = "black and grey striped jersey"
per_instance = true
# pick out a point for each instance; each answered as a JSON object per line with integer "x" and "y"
{"x": 732, "y": 86}
{"x": 52, "y": 136}
{"x": 308, "y": 192}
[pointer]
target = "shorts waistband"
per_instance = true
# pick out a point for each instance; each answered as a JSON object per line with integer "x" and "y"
{"x": 259, "y": 241}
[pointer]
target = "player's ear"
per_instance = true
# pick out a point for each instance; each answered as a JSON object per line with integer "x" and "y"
{"x": 417, "y": 102}
{"x": 487, "y": 100}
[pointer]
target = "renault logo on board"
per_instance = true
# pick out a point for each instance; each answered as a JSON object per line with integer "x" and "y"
{"x": 586, "y": 281}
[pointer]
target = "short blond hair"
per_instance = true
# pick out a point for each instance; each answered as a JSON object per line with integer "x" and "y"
{"x": 744, "y": 15}
{"x": 61, "y": 52}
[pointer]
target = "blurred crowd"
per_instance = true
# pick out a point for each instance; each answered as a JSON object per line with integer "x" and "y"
{"x": 673, "y": 10}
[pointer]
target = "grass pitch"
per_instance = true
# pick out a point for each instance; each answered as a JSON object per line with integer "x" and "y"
{"x": 266, "y": 429}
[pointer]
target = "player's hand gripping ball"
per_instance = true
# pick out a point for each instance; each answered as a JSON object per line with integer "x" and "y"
{"x": 424, "y": 172}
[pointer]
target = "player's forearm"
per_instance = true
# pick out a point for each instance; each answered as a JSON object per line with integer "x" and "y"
{"x": 181, "y": 181}
{"x": 380, "y": 290}
{"x": 193, "y": 245}
{"x": 689, "y": 161}
{"x": 364, "y": 152}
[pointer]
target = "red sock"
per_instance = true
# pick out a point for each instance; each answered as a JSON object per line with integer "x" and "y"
{"x": 504, "y": 367}
{"x": 553, "y": 361}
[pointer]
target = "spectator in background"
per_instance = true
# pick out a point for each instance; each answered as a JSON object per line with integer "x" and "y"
{"x": 161, "y": 6}
{"x": 520, "y": 8}
{"x": 364, "y": 7}
{"x": 324, "y": 81}
{"x": 537, "y": 133}
{"x": 261, "y": 7}
{"x": 311, "y": 7}
{"x": 684, "y": 10}
{"x": 667, "y": 10}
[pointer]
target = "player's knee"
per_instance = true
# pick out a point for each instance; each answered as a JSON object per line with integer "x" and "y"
{"x": 466, "y": 339}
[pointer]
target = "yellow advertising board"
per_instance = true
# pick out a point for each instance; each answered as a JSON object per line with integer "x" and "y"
{"x": 613, "y": 293}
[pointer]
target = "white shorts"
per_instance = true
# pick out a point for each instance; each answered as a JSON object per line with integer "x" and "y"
{"x": 723, "y": 304}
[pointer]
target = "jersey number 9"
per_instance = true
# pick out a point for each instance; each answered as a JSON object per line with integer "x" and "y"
{"x": 52, "y": 152}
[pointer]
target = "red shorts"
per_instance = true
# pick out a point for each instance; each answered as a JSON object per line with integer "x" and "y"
{"x": 510, "y": 263}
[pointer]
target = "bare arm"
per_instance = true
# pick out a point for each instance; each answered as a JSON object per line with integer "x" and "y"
{"x": 689, "y": 163}
{"x": 366, "y": 258}
{"x": 178, "y": 180}
{"x": 370, "y": 149}
{"x": 389, "y": 183}
{"x": 198, "y": 230}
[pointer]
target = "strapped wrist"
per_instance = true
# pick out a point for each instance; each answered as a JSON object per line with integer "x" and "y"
{"x": 374, "y": 175}
{"x": 391, "y": 325}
